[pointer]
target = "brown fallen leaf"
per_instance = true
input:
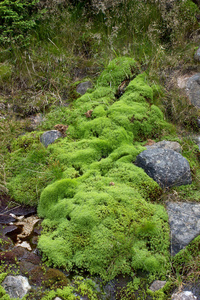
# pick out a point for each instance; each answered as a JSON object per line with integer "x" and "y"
{"x": 89, "y": 113}
{"x": 62, "y": 128}
{"x": 149, "y": 142}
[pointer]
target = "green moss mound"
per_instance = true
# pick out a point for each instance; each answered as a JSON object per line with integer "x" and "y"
{"x": 98, "y": 216}
{"x": 31, "y": 168}
{"x": 119, "y": 69}
{"x": 105, "y": 229}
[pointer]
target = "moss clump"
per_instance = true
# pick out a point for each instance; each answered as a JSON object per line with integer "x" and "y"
{"x": 65, "y": 293}
{"x": 118, "y": 70}
{"x": 103, "y": 228}
{"x": 30, "y": 168}
{"x": 81, "y": 287}
{"x": 111, "y": 125}
{"x": 96, "y": 214}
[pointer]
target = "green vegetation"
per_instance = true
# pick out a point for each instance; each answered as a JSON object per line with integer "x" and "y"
{"x": 98, "y": 209}
{"x": 102, "y": 214}
{"x": 91, "y": 220}
{"x": 81, "y": 286}
{"x": 17, "y": 19}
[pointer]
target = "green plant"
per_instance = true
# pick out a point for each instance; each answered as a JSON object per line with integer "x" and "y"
{"x": 17, "y": 19}
{"x": 95, "y": 209}
{"x": 186, "y": 263}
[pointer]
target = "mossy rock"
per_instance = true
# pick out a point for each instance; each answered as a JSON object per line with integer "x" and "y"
{"x": 55, "y": 278}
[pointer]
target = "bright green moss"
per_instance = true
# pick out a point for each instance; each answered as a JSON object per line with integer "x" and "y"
{"x": 30, "y": 169}
{"x": 66, "y": 293}
{"x": 81, "y": 286}
{"x": 118, "y": 70}
{"x": 26, "y": 141}
{"x": 99, "y": 111}
{"x": 53, "y": 193}
{"x": 99, "y": 225}
{"x": 140, "y": 85}
{"x": 2, "y": 277}
{"x": 97, "y": 214}
{"x": 134, "y": 111}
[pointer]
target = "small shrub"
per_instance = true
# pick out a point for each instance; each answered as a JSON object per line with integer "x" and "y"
{"x": 17, "y": 19}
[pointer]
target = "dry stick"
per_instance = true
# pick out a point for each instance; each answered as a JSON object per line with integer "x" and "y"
{"x": 53, "y": 43}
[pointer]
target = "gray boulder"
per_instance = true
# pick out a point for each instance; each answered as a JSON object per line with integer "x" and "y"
{"x": 166, "y": 145}
{"x": 49, "y": 137}
{"x": 167, "y": 167}
{"x": 16, "y": 286}
{"x": 184, "y": 222}
{"x": 193, "y": 89}
{"x": 187, "y": 295}
{"x": 83, "y": 86}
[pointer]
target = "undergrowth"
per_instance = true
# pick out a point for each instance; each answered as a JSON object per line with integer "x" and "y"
{"x": 98, "y": 206}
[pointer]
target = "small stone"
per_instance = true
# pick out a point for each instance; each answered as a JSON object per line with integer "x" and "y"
{"x": 187, "y": 295}
{"x": 16, "y": 286}
{"x": 27, "y": 226}
{"x": 167, "y": 167}
{"x": 157, "y": 285}
{"x": 49, "y": 137}
{"x": 83, "y": 86}
{"x": 184, "y": 221}
{"x": 57, "y": 298}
